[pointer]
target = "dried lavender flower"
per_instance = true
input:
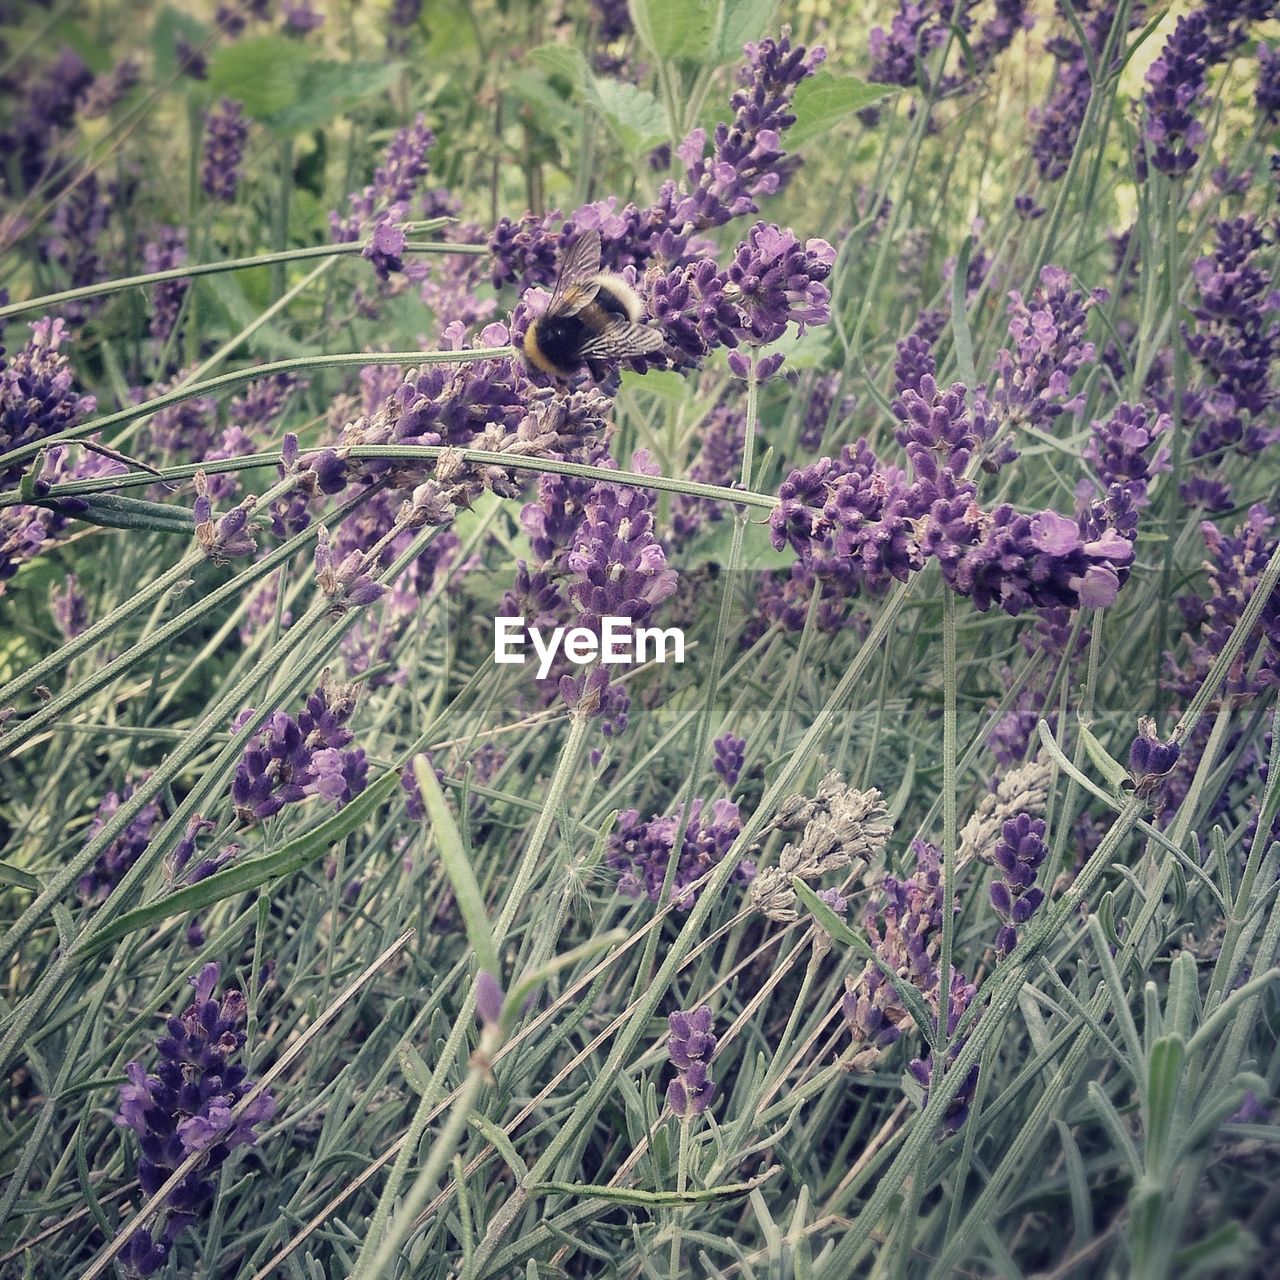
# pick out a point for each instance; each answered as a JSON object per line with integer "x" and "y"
{"x": 844, "y": 826}
{"x": 1021, "y": 790}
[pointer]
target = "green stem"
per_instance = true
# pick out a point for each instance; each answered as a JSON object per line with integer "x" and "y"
{"x": 401, "y": 453}
{"x": 237, "y": 377}
{"x": 105, "y": 287}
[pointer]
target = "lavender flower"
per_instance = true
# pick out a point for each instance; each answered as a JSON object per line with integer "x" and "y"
{"x": 290, "y": 759}
{"x": 641, "y": 851}
{"x": 111, "y": 864}
{"x": 32, "y": 137}
{"x": 69, "y": 607}
{"x": 226, "y": 132}
{"x": 730, "y": 752}
{"x": 346, "y": 583}
{"x": 619, "y": 567}
{"x": 690, "y": 1048}
{"x": 1150, "y": 759}
{"x": 186, "y": 1107}
{"x": 229, "y": 535}
{"x": 774, "y": 280}
{"x": 1175, "y": 82}
{"x": 903, "y": 924}
{"x": 300, "y": 18}
{"x": 1034, "y": 380}
{"x": 186, "y": 429}
{"x": 1014, "y": 895}
{"x": 826, "y": 404}
{"x": 839, "y": 827}
{"x": 1267, "y": 94}
{"x": 1057, "y": 124}
{"x": 386, "y": 243}
{"x": 167, "y": 250}
{"x": 79, "y": 222}
{"x": 402, "y": 18}
{"x": 191, "y": 60}
{"x": 37, "y": 392}
{"x": 107, "y": 89}
{"x": 396, "y": 181}
{"x": 746, "y": 162}
{"x": 1235, "y": 340}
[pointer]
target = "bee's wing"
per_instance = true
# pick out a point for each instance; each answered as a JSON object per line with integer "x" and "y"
{"x": 622, "y": 340}
{"x": 577, "y": 284}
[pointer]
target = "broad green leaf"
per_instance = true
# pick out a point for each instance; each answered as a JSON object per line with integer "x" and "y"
{"x": 824, "y": 99}
{"x": 329, "y": 89}
{"x": 244, "y": 876}
{"x": 562, "y": 62}
{"x": 675, "y": 30}
{"x": 263, "y": 73}
{"x": 712, "y": 545}
{"x": 634, "y": 116}
{"x": 736, "y": 23}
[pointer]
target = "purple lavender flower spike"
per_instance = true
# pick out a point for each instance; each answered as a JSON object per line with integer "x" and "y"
{"x": 395, "y": 182}
{"x": 1267, "y": 94}
{"x": 1235, "y": 341}
{"x": 1150, "y": 759}
{"x": 690, "y": 1048}
{"x": 1034, "y": 380}
{"x": 226, "y": 132}
{"x": 290, "y": 759}
{"x": 69, "y": 607}
{"x": 37, "y": 392}
{"x": 641, "y": 851}
{"x": 1018, "y": 854}
{"x": 167, "y": 250}
{"x": 186, "y": 1107}
{"x": 1175, "y": 83}
{"x": 116, "y": 859}
{"x": 730, "y": 752}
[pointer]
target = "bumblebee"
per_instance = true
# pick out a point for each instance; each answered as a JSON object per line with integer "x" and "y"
{"x": 593, "y": 317}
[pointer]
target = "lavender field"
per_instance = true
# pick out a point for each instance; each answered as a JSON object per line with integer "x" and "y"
{"x": 639, "y": 640}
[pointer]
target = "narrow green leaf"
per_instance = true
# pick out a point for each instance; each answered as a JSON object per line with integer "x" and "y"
{"x": 9, "y": 874}
{"x": 650, "y": 1199}
{"x": 114, "y": 511}
{"x": 414, "y": 1070}
{"x": 457, "y": 866}
{"x": 252, "y": 872}
{"x": 1164, "y": 1084}
{"x": 1111, "y": 769}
